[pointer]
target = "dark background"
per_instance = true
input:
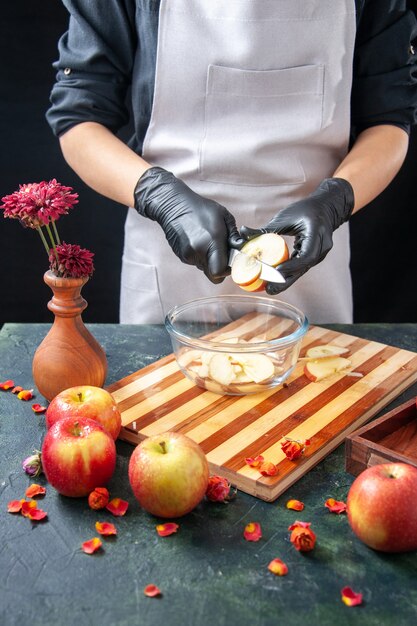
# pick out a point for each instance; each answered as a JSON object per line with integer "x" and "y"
{"x": 384, "y": 264}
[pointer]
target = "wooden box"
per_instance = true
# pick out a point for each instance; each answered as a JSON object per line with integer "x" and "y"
{"x": 392, "y": 437}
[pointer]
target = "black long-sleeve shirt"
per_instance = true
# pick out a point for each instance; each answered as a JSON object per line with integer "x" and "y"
{"x": 108, "y": 55}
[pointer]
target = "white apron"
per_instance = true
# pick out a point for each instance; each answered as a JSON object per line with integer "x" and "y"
{"x": 252, "y": 109}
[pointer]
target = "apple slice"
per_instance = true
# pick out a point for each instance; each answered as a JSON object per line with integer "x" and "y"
{"x": 269, "y": 248}
{"x": 221, "y": 369}
{"x": 245, "y": 270}
{"x": 326, "y": 350}
{"x": 256, "y": 367}
{"x": 257, "y": 285}
{"x": 322, "y": 368}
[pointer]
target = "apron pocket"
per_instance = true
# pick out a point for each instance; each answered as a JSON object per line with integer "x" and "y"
{"x": 254, "y": 121}
{"x": 140, "y": 302}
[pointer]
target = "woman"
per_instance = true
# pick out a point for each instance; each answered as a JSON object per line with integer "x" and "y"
{"x": 243, "y": 112}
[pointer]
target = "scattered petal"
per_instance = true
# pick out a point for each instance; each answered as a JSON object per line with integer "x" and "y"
{"x": 252, "y": 532}
{"x": 25, "y": 394}
{"x": 35, "y": 490}
{"x": 350, "y": 597}
{"x": 152, "y": 591}
{"x": 267, "y": 468}
{"x": 164, "y": 530}
{"x": 335, "y": 506}
{"x": 38, "y": 408}
{"x": 293, "y": 448}
{"x": 99, "y": 498}
{"x": 6, "y": 385}
{"x": 36, "y": 515}
{"x": 295, "y": 505}
{"x": 254, "y": 461}
{"x": 17, "y": 389}
{"x": 278, "y": 567}
{"x": 31, "y": 511}
{"x": 302, "y": 537}
{"x": 15, "y": 506}
{"x": 32, "y": 465}
{"x": 91, "y": 546}
{"x": 218, "y": 489}
{"x": 117, "y": 506}
{"x": 106, "y": 528}
{"x": 299, "y": 524}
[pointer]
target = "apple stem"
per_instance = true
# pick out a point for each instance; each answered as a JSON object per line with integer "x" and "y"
{"x": 80, "y": 396}
{"x": 77, "y": 430}
{"x": 163, "y": 446}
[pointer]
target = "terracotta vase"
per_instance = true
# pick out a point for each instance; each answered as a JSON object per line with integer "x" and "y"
{"x": 69, "y": 355}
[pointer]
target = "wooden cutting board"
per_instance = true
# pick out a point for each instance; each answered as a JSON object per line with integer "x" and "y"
{"x": 159, "y": 398}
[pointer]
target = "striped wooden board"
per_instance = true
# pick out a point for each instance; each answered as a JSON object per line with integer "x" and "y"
{"x": 159, "y": 398}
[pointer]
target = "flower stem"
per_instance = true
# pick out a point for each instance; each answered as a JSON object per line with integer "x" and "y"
{"x": 57, "y": 239}
{"x": 45, "y": 243}
{"x": 51, "y": 237}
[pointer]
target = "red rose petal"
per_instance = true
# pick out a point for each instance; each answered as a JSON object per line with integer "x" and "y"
{"x": 91, "y": 546}
{"x": 35, "y": 490}
{"x": 117, "y": 506}
{"x": 335, "y": 506}
{"x": 252, "y": 532}
{"x": 37, "y": 515}
{"x": 298, "y": 524}
{"x": 164, "y": 530}
{"x": 38, "y": 408}
{"x": 106, "y": 528}
{"x": 295, "y": 505}
{"x": 278, "y": 567}
{"x": 350, "y": 597}
{"x": 152, "y": 591}
{"x": 254, "y": 461}
{"x": 6, "y": 385}
{"x": 15, "y": 506}
{"x": 17, "y": 389}
{"x": 25, "y": 394}
{"x": 267, "y": 468}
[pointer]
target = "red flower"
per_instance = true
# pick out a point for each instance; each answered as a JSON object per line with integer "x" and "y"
{"x": 73, "y": 261}
{"x": 293, "y": 448}
{"x": 302, "y": 538}
{"x": 37, "y": 204}
{"x": 218, "y": 489}
{"x": 99, "y": 498}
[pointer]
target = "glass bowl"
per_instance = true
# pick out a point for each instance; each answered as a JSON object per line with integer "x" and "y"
{"x": 236, "y": 345}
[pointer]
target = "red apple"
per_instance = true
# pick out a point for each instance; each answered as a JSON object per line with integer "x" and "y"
{"x": 269, "y": 248}
{"x": 168, "y": 474}
{"x": 86, "y": 401}
{"x": 382, "y": 507}
{"x": 78, "y": 455}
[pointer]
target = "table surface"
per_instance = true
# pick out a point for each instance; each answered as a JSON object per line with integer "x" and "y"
{"x": 207, "y": 572}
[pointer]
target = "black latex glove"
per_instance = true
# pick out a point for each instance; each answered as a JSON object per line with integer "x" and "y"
{"x": 200, "y": 231}
{"x": 311, "y": 221}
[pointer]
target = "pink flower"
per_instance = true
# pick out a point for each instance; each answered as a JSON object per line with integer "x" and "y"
{"x": 73, "y": 261}
{"x": 37, "y": 204}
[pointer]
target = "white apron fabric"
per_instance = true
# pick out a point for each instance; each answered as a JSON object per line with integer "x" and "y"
{"x": 252, "y": 109}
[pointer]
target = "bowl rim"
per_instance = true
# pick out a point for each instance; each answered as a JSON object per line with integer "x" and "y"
{"x": 220, "y": 346}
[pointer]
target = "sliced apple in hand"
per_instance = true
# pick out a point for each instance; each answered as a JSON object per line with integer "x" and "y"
{"x": 269, "y": 248}
{"x": 245, "y": 270}
{"x": 325, "y": 351}
{"x": 322, "y": 368}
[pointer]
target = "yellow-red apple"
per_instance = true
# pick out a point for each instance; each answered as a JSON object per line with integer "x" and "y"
{"x": 168, "y": 474}
{"x": 382, "y": 507}
{"x": 86, "y": 401}
{"x": 78, "y": 454}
